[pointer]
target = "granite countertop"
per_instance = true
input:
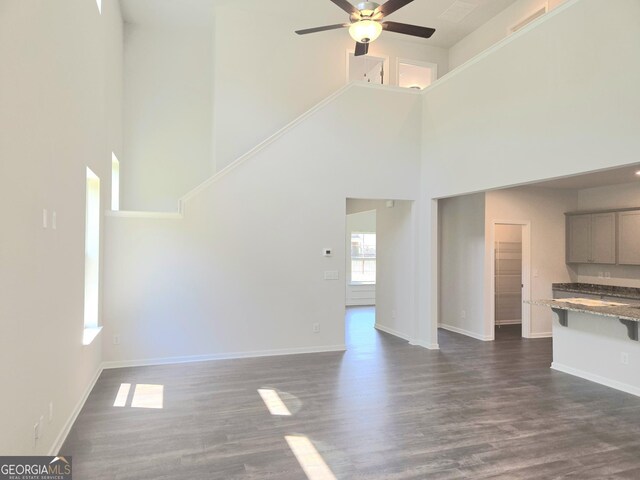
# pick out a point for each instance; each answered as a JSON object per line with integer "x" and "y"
{"x": 593, "y": 289}
{"x": 621, "y": 311}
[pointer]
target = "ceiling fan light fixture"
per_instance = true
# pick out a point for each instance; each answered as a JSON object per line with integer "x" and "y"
{"x": 365, "y": 31}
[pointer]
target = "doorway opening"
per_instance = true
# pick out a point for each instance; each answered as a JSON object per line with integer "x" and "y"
{"x": 415, "y": 74}
{"x": 367, "y": 69}
{"x": 379, "y": 270}
{"x": 510, "y": 285}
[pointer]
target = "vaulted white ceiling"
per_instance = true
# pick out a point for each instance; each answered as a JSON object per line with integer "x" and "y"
{"x": 311, "y": 13}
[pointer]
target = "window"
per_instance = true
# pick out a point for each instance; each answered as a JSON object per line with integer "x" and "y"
{"x": 91, "y": 258}
{"x": 416, "y": 75}
{"x": 363, "y": 258}
{"x": 115, "y": 182}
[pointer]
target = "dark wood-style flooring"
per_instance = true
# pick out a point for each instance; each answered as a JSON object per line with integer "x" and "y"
{"x": 382, "y": 410}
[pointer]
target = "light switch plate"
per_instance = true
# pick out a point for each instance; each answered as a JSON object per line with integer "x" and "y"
{"x": 331, "y": 275}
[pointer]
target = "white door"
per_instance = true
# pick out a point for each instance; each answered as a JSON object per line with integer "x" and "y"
{"x": 367, "y": 69}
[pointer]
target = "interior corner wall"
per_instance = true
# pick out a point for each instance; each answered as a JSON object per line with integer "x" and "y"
{"x": 247, "y": 254}
{"x": 535, "y": 108}
{"x": 395, "y": 283}
{"x": 494, "y": 30}
{"x": 544, "y": 208}
{"x": 168, "y": 74}
{"x": 60, "y": 97}
{"x": 613, "y": 196}
{"x": 462, "y": 265}
{"x": 266, "y": 79}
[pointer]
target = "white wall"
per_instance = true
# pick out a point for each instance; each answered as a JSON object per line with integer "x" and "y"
{"x": 364, "y": 221}
{"x": 544, "y": 209}
{"x": 614, "y": 196}
{"x": 168, "y": 115}
{"x": 496, "y": 29}
{"x": 60, "y": 97}
{"x": 462, "y": 265}
{"x": 266, "y": 75}
{"x": 520, "y": 113}
{"x": 242, "y": 272}
{"x": 395, "y": 302}
{"x": 591, "y": 347}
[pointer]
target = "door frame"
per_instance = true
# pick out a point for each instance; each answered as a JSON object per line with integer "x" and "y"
{"x": 526, "y": 276}
{"x": 417, "y": 63}
{"x": 384, "y": 58}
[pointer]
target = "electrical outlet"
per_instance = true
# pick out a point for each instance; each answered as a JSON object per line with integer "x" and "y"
{"x": 463, "y": 314}
{"x": 624, "y": 358}
{"x": 607, "y": 274}
{"x": 393, "y": 314}
{"x": 116, "y": 339}
{"x": 316, "y": 327}
{"x": 50, "y": 412}
{"x": 54, "y": 220}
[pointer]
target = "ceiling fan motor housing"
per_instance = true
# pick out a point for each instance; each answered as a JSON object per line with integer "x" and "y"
{"x": 365, "y": 9}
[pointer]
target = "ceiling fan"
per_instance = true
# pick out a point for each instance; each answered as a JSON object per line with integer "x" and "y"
{"x": 366, "y": 23}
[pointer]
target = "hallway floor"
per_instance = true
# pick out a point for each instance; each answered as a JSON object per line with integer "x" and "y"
{"x": 381, "y": 410}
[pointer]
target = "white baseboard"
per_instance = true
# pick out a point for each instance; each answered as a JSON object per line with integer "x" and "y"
{"x": 540, "y": 335}
{"x": 392, "y": 331}
{"x": 221, "y": 356}
{"x": 462, "y": 331}
{"x": 62, "y": 436}
{"x": 592, "y": 377}
{"x": 428, "y": 346}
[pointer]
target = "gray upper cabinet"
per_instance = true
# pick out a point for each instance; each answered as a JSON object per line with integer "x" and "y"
{"x": 629, "y": 237}
{"x": 579, "y": 239}
{"x": 591, "y": 238}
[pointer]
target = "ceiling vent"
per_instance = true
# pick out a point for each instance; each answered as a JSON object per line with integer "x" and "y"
{"x": 458, "y": 11}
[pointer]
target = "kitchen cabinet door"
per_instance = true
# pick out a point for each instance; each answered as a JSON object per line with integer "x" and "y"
{"x": 629, "y": 238}
{"x": 603, "y": 238}
{"x": 578, "y": 238}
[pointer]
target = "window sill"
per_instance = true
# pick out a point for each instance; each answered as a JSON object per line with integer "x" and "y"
{"x": 90, "y": 335}
{"x": 362, "y": 284}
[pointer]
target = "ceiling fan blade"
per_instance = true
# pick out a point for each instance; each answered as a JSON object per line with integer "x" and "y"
{"x": 346, "y": 6}
{"x": 413, "y": 30}
{"x": 391, "y": 6}
{"x": 322, "y": 29}
{"x": 361, "y": 49}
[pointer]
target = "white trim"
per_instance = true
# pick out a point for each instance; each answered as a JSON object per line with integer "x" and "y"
{"x": 361, "y": 302}
{"x": 428, "y": 346}
{"x": 385, "y": 65}
{"x": 607, "y": 382}
{"x": 532, "y": 17}
{"x": 541, "y": 335}
{"x": 462, "y": 331}
{"x": 134, "y": 214}
{"x": 221, "y": 356}
{"x": 62, "y": 436}
{"x": 393, "y": 332}
{"x": 261, "y": 146}
{"x": 526, "y": 276}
